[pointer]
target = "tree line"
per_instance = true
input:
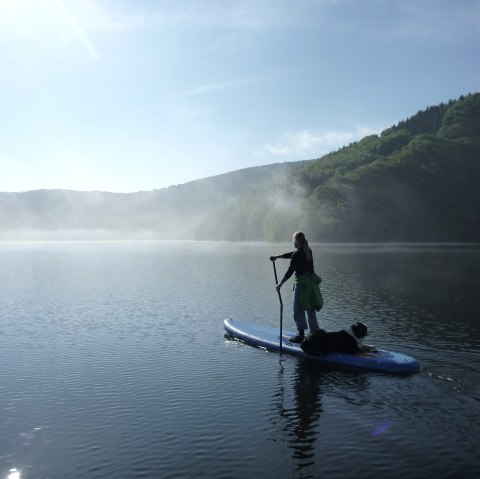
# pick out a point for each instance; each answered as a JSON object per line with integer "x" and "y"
{"x": 416, "y": 181}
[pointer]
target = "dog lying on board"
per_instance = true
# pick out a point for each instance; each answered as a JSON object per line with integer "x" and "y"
{"x": 345, "y": 341}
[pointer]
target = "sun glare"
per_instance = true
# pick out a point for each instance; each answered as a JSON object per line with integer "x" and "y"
{"x": 32, "y": 18}
{"x": 14, "y": 474}
{"x": 22, "y": 15}
{"x": 11, "y": 5}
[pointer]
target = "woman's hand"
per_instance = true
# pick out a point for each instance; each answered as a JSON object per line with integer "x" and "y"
{"x": 279, "y": 285}
{"x": 273, "y": 258}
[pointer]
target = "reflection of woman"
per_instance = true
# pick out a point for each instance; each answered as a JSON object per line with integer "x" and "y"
{"x": 300, "y": 420}
{"x": 307, "y": 292}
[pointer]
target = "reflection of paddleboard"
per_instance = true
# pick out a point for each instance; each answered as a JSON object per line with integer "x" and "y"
{"x": 268, "y": 337}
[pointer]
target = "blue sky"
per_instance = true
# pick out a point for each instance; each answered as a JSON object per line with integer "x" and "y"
{"x": 129, "y": 95}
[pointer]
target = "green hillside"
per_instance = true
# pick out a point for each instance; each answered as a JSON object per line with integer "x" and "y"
{"x": 416, "y": 181}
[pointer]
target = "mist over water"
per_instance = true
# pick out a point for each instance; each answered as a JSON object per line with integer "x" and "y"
{"x": 114, "y": 363}
{"x": 173, "y": 213}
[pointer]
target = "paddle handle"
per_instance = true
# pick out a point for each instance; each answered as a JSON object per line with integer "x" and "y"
{"x": 281, "y": 307}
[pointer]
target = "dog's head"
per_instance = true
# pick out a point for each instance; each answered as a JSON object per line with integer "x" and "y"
{"x": 360, "y": 330}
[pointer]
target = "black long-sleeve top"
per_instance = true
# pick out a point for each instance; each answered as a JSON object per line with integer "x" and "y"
{"x": 298, "y": 263}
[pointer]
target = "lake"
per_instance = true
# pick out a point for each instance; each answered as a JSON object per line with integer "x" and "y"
{"x": 114, "y": 363}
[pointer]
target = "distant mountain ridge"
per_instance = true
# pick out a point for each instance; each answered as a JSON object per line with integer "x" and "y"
{"x": 416, "y": 181}
{"x": 167, "y": 213}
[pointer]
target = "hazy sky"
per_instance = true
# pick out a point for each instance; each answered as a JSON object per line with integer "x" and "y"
{"x": 128, "y": 95}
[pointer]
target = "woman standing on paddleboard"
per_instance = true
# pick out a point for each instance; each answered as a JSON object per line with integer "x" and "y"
{"x": 308, "y": 297}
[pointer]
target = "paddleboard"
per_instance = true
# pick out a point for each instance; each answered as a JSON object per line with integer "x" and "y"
{"x": 268, "y": 337}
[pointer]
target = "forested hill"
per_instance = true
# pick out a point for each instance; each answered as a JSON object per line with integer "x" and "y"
{"x": 416, "y": 181}
{"x": 167, "y": 213}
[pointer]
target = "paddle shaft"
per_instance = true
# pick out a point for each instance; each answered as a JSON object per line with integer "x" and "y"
{"x": 281, "y": 306}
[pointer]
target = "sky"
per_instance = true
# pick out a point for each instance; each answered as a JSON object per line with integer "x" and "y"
{"x": 132, "y": 95}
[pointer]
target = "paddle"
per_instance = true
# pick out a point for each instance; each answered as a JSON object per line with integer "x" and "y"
{"x": 281, "y": 306}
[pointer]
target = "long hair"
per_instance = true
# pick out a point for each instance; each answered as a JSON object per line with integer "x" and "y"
{"x": 300, "y": 237}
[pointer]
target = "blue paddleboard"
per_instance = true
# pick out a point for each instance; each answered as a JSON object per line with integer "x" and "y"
{"x": 269, "y": 338}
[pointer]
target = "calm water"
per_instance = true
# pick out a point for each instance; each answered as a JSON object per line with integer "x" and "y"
{"x": 114, "y": 364}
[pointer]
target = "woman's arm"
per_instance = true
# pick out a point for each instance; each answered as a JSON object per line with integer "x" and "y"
{"x": 279, "y": 285}
{"x": 283, "y": 256}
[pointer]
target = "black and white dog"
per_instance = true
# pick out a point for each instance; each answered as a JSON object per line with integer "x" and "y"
{"x": 345, "y": 341}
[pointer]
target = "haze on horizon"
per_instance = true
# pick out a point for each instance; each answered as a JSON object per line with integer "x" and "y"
{"x": 140, "y": 95}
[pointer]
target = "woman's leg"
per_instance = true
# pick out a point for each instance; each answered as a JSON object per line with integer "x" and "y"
{"x": 312, "y": 321}
{"x": 298, "y": 313}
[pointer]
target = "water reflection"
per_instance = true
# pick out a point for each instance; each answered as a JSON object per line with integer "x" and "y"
{"x": 299, "y": 404}
{"x": 299, "y": 409}
{"x": 13, "y": 474}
